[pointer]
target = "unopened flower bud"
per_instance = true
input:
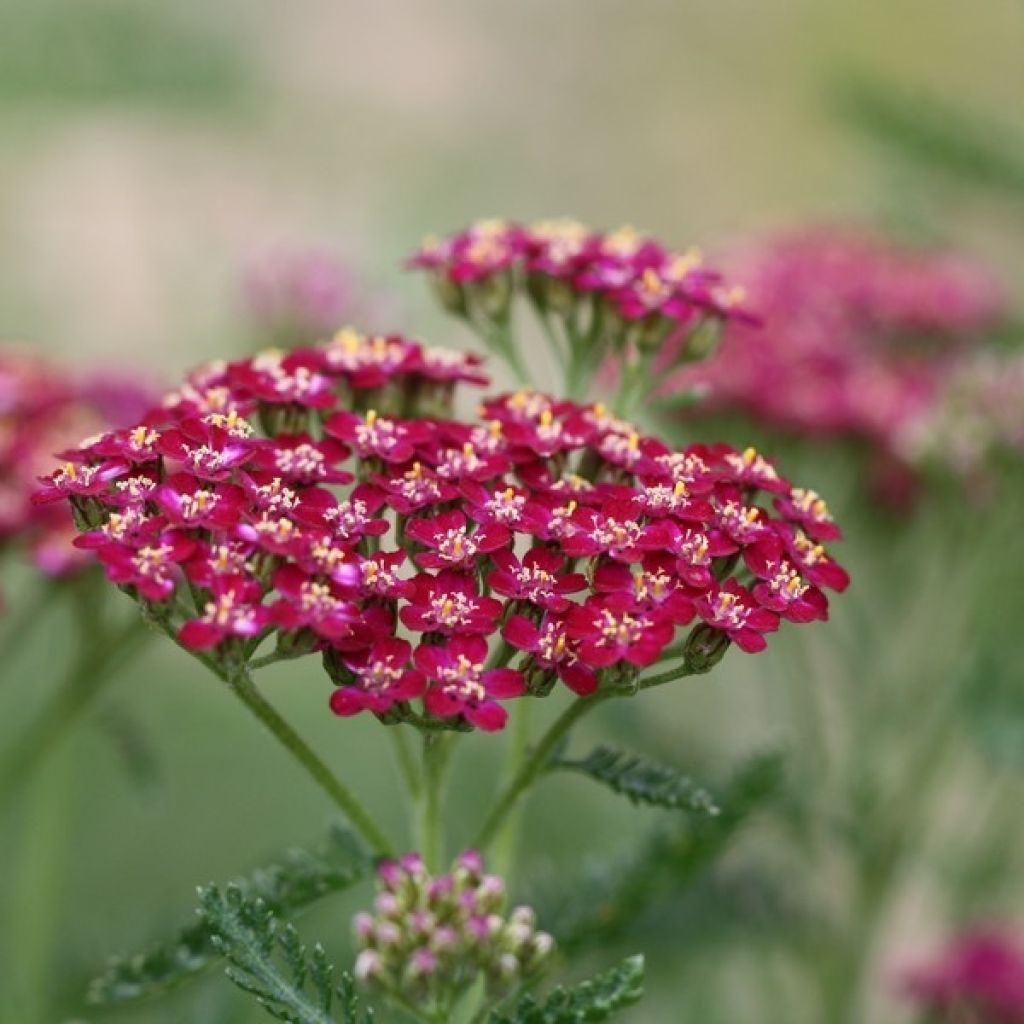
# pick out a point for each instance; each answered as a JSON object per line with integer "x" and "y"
{"x": 517, "y": 934}
{"x": 413, "y": 865}
{"x": 470, "y": 862}
{"x": 389, "y": 935}
{"x": 705, "y": 648}
{"x": 364, "y": 928}
{"x": 444, "y": 939}
{"x": 440, "y": 889}
{"x": 422, "y": 965}
{"x": 390, "y": 874}
{"x": 369, "y": 967}
{"x": 523, "y": 915}
{"x": 387, "y": 904}
{"x": 507, "y": 969}
{"x": 541, "y": 947}
{"x": 421, "y": 922}
{"x": 490, "y": 893}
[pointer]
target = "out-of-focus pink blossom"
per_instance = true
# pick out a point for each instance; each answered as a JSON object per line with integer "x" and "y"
{"x": 294, "y": 296}
{"x": 977, "y": 979}
{"x": 44, "y": 410}
{"x": 859, "y": 336}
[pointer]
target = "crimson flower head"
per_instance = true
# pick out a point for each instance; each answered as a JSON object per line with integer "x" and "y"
{"x": 327, "y": 502}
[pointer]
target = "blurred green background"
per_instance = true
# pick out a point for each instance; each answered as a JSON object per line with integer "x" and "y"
{"x": 147, "y": 152}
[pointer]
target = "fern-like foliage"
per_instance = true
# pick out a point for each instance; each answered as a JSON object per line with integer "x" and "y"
{"x": 300, "y": 879}
{"x": 641, "y": 780}
{"x": 934, "y": 134}
{"x": 595, "y": 1000}
{"x": 611, "y": 894}
{"x": 268, "y": 960}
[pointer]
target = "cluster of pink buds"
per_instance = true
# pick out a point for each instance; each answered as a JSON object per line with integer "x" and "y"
{"x": 977, "y": 979}
{"x": 617, "y": 293}
{"x": 858, "y": 337}
{"x": 43, "y": 410}
{"x": 458, "y": 564}
{"x": 431, "y": 937}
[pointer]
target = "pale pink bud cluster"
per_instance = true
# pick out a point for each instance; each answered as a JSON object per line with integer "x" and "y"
{"x": 431, "y": 937}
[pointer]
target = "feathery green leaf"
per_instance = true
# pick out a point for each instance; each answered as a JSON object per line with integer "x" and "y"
{"x": 594, "y": 1000}
{"x": 641, "y": 780}
{"x": 268, "y": 960}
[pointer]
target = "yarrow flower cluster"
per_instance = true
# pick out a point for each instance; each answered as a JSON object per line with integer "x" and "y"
{"x": 43, "y": 410}
{"x": 858, "y": 335}
{"x": 326, "y": 497}
{"x": 978, "y": 978}
{"x": 599, "y": 294}
{"x": 632, "y": 275}
{"x": 431, "y": 937}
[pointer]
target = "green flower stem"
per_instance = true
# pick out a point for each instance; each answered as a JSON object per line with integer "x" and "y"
{"x": 534, "y": 764}
{"x": 241, "y": 683}
{"x": 407, "y": 764}
{"x": 539, "y": 756}
{"x": 507, "y": 839}
{"x": 437, "y": 751}
{"x": 96, "y": 664}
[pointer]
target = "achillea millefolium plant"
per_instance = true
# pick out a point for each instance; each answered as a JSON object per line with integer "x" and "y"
{"x": 327, "y": 501}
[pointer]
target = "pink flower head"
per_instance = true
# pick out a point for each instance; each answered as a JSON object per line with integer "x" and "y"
{"x": 309, "y": 603}
{"x": 189, "y": 502}
{"x": 373, "y": 435}
{"x": 461, "y": 685}
{"x": 450, "y": 542}
{"x": 277, "y": 378}
{"x": 539, "y": 579}
{"x": 207, "y": 452}
{"x": 383, "y": 675}
{"x": 449, "y": 603}
{"x": 610, "y": 630}
{"x": 404, "y": 546}
{"x": 233, "y": 611}
{"x": 781, "y": 587}
{"x": 152, "y": 567}
{"x": 552, "y": 649}
{"x": 733, "y": 609}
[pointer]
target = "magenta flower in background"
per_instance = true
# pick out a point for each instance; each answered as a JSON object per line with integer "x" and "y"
{"x": 859, "y": 336}
{"x": 44, "y": 410}
{"x": 977, "y": 979}
{"x": 296, "y": 295}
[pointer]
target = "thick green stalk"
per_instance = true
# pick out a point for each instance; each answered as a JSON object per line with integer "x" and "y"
{"x": 539, "y": 756}
{"x": 241, "y": 683}
{"x": 437, "y": 750}
{"x": 407, "y": 764}
{"x": 534, "y": 765}
{"x": 519, "y": 747}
